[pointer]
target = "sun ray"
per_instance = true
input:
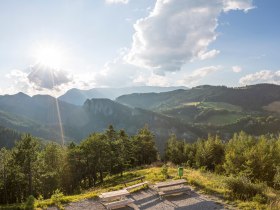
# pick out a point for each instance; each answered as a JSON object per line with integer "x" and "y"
{"x": 48, "y": 54}
{"x": 58, "y": 115}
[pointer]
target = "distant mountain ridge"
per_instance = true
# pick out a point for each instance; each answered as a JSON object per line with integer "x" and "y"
{"x": 39, "y": 115}
{"x": 249, "y": 97}
{"x": 78, "y": 97}
{"x": 190, "y": 113}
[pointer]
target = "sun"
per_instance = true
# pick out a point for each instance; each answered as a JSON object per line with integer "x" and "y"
{"x": 49, "y": 55}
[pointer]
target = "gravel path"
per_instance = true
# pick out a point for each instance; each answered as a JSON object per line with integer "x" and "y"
{"x": 149, "y": 200}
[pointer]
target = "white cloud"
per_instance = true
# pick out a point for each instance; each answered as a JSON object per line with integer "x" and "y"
{"x": 20, "y": 82}
{"x": 176, "y": 32}
{"x": 208, "y": 55}
{"x": 236, "y": 69}
{"x": 38, "y": 81}
{"x": 152, "y": 80}
{"x": 264, "y": 76}
{"x": 117, "y": 1}
{"x": 245, "y": 5}
{"x": 117, "y": 73}
{"x": 46, "y": 77}
{"x": 198, "y": 74}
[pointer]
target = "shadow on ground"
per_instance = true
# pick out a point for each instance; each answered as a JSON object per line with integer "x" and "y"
{"x": 149, "y": 200}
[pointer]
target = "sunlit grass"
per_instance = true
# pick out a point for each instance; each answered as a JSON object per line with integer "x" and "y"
{"x": 202, "y": 181}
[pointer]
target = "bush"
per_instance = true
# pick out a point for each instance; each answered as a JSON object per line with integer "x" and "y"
{"x": 275, "y": 203}
{"x": 260, "y": 199}
{"x": 276, "y": 180}
{"x": 29, "y": 204}
{"x": 242, "y": 188}
{"x": 56, "y": 198}
{"x": 164, "y": 171}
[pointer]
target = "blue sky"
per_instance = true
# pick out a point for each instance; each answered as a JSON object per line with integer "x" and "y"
{"x": 51, "y": 46}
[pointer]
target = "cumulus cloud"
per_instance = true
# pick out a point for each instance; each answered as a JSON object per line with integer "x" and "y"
{"x": 117, "y": 1}
{"x": 117, "y": 73}
{"x": 44, "y": 80}
{"x": 46, "y": 77}
{"x": 20, "y": 81}
{"x": 264, "y": 76}
{"x": 198, "y": 74}
{"x": 209, "y": 54}
{"x": 245, "y": 5}
{"x": 236, "y": 69}
{"x": 152, "y": 80}
{"x": 176, "y": 32}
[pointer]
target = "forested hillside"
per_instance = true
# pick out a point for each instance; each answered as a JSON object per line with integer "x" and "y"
{"x": 217, "y": 109}
{"x": 8, "y": 137}
{"x": 190, "y": 114}
{"x": 249, "y": 97}
{"x": 78, "y": 97}
{"x": 36, "y": 168}
{"x": 42, "y": 116}
{"x": 246, "y": 167}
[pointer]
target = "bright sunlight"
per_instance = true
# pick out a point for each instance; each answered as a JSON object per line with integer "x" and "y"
{"x": 49, "y": 55}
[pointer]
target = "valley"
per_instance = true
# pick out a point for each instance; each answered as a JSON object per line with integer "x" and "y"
{"x": 189, "y": 113}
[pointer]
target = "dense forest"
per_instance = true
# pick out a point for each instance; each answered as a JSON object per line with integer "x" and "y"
{"x": 8, "y": 137}
{"x": 248, "y": 160}
{"x": 36, "y": 168}
{"x": 39, "y": 168}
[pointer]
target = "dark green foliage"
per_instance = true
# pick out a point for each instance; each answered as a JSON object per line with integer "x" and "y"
{"x": 209, "y": 153}
{"x": 56, "y": 198}
{"x": 249, "y": 159}
{"x": 190, "y": 114}
{"x": 255, "y": 158}
{"x": 164, "y": 171}
{"x": 250, "y": 97}
{"x": 204, "y": 153}
{"x": 29, "y": 204}
{"x": 175, "y": 150}
{"x": 144, "y": 146}
{"x": 8, "y": 137}
{"x": 242, "y": 188}
{"x": 276, "y": 179}
{"x": 35, "y": 169}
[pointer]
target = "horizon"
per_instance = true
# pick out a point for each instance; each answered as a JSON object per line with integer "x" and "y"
{"x": 186, "y": 88}
{"x": 115, "y": 43}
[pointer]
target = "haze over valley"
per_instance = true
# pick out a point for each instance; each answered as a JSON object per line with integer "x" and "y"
{"x": 106, "y": 104}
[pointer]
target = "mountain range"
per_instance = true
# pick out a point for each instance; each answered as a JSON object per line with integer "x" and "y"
{"x": 78, "y": 97}
{"x": 189, "y": 113}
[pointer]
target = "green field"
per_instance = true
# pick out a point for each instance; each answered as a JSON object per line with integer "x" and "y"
{"x": 224, "y": 119}
{"x": 220, "y": 106}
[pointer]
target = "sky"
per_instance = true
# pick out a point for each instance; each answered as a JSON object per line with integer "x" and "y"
{"x": 48, "y": 47}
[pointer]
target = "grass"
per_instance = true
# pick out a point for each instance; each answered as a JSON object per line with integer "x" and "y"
{"x": 203, "y": 181}
{"x": 222, "y": 119}
{"x": 221, "y": 105}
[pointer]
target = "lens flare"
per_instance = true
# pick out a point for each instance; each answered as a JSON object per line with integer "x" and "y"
{"x": 49, "y": 55}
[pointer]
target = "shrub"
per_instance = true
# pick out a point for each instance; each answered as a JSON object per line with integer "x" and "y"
{"x": 242, "y": 188}
{"x": 275, "y": 203}
{"x": 260, "y": 199}
{"x": 57, "y": 197}
{"x": 276, "y": 180}
{"x": 29, "y": 204}
{"x": 164, "y": 171}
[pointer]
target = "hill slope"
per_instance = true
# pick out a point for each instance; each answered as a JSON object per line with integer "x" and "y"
{"x": 78, "y": 97}
{"x": 188, "y": 113}
{"x": 8, "y": 137}
{"x": 42, "y": 116}
{"x": 250, "y": 97}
